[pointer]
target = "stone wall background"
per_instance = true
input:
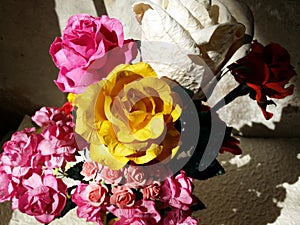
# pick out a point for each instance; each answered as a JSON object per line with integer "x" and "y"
{"x": 260, "y": 187}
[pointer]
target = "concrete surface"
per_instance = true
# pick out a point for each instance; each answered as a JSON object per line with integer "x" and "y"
{"x": 263, "y": 190}
{"x": 274, "y": 21}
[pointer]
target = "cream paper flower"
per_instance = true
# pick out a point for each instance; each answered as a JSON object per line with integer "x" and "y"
{"x": 187, "y": 40}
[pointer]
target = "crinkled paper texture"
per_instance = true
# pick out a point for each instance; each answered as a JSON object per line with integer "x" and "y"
{"x": 187, "y": 40}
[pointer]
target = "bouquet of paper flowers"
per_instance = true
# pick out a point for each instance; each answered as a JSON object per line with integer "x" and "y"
{"x": 137, "y": 127}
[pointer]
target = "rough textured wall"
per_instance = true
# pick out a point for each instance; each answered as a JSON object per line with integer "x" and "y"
{"x": 279, "y": 22}
{"x": 264, "y": 189}
{"x": 251, "y": 191}
{"x": 27, "y": 28}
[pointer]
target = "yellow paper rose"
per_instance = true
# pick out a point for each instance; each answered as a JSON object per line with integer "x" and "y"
{"x": 130, "y": 116}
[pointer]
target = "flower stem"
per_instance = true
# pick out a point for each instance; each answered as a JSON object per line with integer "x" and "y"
{"x": 240, "y": 90}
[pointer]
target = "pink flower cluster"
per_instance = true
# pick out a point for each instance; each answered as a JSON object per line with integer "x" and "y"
{"x": 58, "y": 142}
{"x": 134, "y": 196}
{"x": 27, "y": 161}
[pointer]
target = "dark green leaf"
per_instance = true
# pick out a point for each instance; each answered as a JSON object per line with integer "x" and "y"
{"x": 69, "y": 206}
{"x": 74, "y": 171}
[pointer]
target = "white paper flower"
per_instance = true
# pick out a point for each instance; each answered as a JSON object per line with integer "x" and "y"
{"x": 187, "y": 40}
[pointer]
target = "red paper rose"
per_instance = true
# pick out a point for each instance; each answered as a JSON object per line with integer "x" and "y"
{"x": 266, "y": 70}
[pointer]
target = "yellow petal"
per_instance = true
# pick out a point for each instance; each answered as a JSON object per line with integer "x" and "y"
{"x": 100, "y": 154}
{"x": 71, "y": 97}
{"x": 176, "y": 113}
{"x": 154, "y": 129}
{"x": 150, "y": 154}
{"x": 121, "y": 150}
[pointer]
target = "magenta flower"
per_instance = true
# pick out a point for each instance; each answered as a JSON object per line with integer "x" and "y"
{"x": 178, "y": 217}
{"x": 90, "y": 47}
{"x": 49, "y": 116}
{"x": 91, "y": 200}
{"x": 5, "y": 187}
{"x": 21, "y": 149}
{"x": 143, "y": 212}
{"x": 45, "y": 197}
{"x": 131, "y": 221}
{"x": 177, "y": 192}
{"x": 58, "y": 142}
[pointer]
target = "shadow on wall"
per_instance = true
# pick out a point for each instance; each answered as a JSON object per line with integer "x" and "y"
{"x": 27, "y": 28}
{"x": 288, "y": 126}
{"x": 248, "y": 195}
{"x": 274, "y": 19}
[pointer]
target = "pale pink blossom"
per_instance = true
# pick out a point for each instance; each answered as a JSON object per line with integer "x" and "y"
{"x": 90, "y": 170}
{"x": 137, "y": 176}
{"x": 91, "y": 200}
{"x": 122, "y": 197}
{"x": 97, "y": 194}
{"x": 110, "y": 176}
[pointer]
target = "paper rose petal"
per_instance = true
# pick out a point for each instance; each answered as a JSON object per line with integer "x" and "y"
{"x": 166, "y": 28}
{"x": 164, "y": 47}
{"x": 100, "y": 153}
{"x": 129, "y": 116}
{"x": 223, "y": 40}
{"x": 200, "y": 9}
{"x": 83, "y": 53}
{"x": 181, "y": 14}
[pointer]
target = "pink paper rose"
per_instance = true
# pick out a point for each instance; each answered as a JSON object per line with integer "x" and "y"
{"x": 178, "y": 217}
{"x": 137, "y": 176}
{"x": 5, "y": 181}
{"x": 122, "y": 197}
{"x": 44, "y": 199}
{"x": 19, "y": 151}
{"x": 97, "y": 194}
{"x": 151, "y": 191}
{"x": 49, "y": 115}
{"x": 143, "y": 212}
{"x": 90, "y": 170}
{"x": 177, "y": 192}
{"x": 90, "y": 47}
{"x": 112, "y": 176}
{"x": 58, "y": 144}
{"x": 91, "y": 200}
{"x": 131, "y": 221}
